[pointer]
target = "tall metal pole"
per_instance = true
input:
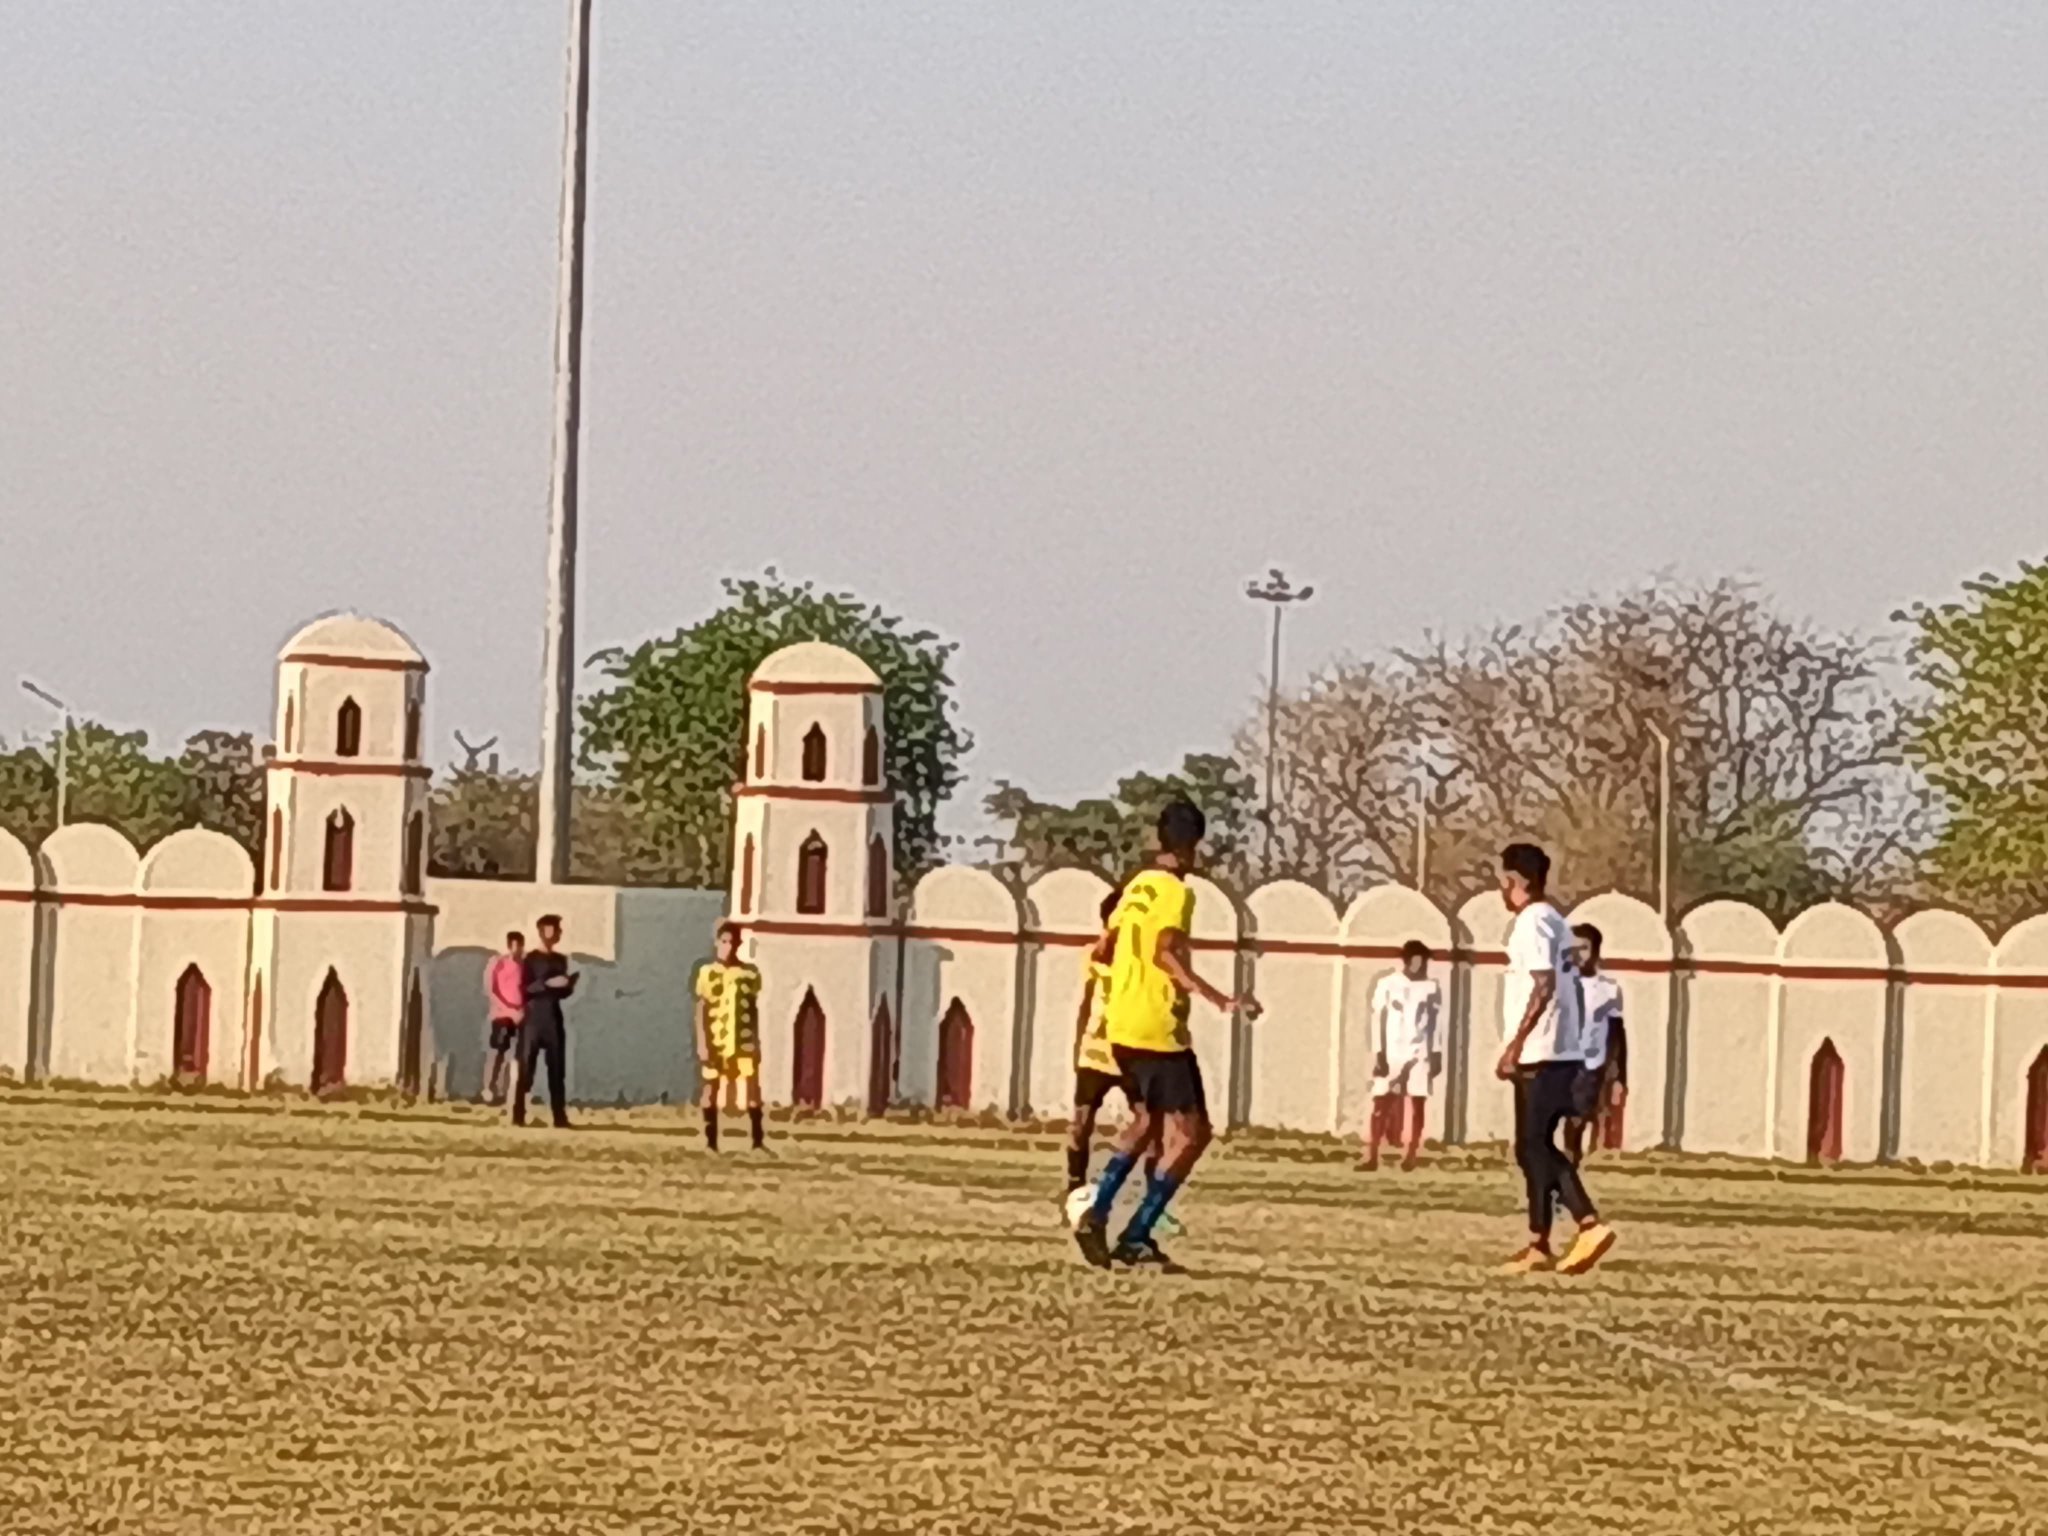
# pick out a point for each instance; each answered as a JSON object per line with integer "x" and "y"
{"x": 63, "y": 745}
{"x": 1663, "y": 824}
{"x": 1278, "y": 591}
{"x": 558, "y": 710}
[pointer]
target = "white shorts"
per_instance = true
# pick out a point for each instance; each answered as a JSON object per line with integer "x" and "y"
{"x": 1410, "y": 1079}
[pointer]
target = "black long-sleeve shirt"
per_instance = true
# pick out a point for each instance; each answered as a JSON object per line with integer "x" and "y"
{"x": 543, "y": 1002}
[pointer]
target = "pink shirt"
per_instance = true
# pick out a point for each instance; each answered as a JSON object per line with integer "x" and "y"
{"x": 507, "y": 989}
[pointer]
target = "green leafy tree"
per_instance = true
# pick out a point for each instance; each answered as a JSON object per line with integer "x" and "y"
{"x": 1114, "y": 836}
{"x": 1981, "y": 743}
{"x": 667, "y": 736}
{"x": 28, "y": 793}
{"x": 481, "y": 825}
{"x": 224, "y": 786}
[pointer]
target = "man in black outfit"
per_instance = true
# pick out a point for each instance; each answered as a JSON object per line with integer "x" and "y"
{"x": 549, "y": 981}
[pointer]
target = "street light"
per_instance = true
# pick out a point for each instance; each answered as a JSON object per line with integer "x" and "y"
{"x": 63, "y": 743}
{"x": 558, "y": 704}
{"x": 1278, "y": 591}
{"x": 1663, "y": 823}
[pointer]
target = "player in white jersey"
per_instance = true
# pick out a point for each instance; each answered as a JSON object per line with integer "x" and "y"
{"x": 1603, "y": 1083}
{"x": 1542, "y": 1058}
{"x": 1406, "y": 1055}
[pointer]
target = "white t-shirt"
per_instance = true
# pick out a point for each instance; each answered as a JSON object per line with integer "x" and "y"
{"x": 1541, "y": 940}
{"x": 1404, "y": 1014}
{"x": 1600, "y": 994}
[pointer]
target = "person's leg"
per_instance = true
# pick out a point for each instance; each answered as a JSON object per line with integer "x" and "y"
{"x": 558, "y": 1076}
{"x": 707, "y": 1101}
{"x": 529, "y": 1045}
{"x": 1532, "y": 1156}
{"x": 1375, "y": 1129}
{"x": 1080, "y": 1136}
{"x": 1555, "y": 1087}
{"x": 1183, "y": 1105}
{"x": 757, "y": 1131}
{"x": 1418, "y": 1109}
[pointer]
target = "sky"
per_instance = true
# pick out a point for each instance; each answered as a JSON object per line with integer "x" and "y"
{"x": 1046, "y": 326}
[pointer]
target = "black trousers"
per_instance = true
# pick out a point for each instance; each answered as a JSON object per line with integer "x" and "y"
{"x": 1543, "y": 1101}
{"x": 537, "y": 1040}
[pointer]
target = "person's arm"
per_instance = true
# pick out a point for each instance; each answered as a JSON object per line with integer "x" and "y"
{"x": 1436, "y": 1022}
{"x": 1379, "y": 1031}
{"x": 1172, "y": 959}
{"x": 535, "y": 985}
{"x": 1617, "y": 1053}
{"x": 1540, "y": 995}
{"x": 1081, "y": 1016}
{"x": 703, "y": 1032}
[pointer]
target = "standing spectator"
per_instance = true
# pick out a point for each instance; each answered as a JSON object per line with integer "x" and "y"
{"x": 549, "y": 982}
{"x": 505, "y": 995}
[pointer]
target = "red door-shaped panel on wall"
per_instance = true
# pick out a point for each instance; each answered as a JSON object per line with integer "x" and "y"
{"x": 807, "y": 1058}
{"x": 192, "y": 1024}
{"x": 955, "y": 1087}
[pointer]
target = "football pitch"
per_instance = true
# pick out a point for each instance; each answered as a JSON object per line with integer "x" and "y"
{"x": 219, "y": 1317}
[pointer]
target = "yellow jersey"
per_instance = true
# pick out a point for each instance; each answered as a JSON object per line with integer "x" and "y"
{"x": 731, "y": 997}
{"x": 1093, "y": 1054}
{"x": 1145, "y": 1011}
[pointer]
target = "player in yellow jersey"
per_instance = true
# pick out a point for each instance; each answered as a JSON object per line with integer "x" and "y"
{"x": 1095, "y": 1068}
{"x": 729, "y": 1033}
{"x": 1152, "y": 983}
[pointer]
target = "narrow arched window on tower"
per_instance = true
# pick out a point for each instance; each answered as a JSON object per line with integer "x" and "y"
{"x": 412, "y": 730}
{"x": 348, "y": 729}
{"x": 338, "y": 861}
{"x": 871, "y": 759}
{"x": 760, "y": 752}
{"x": 276, "y": 849}
{"x": 878, "y": 878}
{"x": 415, "y": 852}
{"x": 811, "y": 861}
{"x": 747, "y": 875}
{"x": 288, "y": 722}
{"x": 814, "y": 755}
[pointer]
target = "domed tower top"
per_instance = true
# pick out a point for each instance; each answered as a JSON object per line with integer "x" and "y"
{"x": 352, "y": 640}
{"x": 812, "y": 666}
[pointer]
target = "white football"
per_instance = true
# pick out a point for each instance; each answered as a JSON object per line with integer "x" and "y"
{"x": 1078, "y": 1202}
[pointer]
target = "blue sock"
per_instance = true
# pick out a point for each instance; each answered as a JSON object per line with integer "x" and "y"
{"x": 1114, "y": 1172}
{"x": 1163, "y": 1188}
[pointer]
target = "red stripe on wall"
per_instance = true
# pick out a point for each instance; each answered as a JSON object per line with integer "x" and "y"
{"x": 153, "y": 902}
{"x": 354, "y": 663}
{"x": 346, "y": 767}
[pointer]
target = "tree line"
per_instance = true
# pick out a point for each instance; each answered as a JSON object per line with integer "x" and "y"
{"x": 1804, "y": 764}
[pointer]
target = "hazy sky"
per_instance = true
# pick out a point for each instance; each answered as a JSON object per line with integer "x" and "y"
{"x": 1045, "y": 324}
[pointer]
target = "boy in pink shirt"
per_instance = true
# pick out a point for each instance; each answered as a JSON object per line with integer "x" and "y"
{"x": 505, "y": 990}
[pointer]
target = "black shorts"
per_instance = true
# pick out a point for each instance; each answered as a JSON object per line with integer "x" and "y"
{"x": 1586, "y": 1092}
{"x": 1165, "y": 1082}
{"x": 503, "y": 1033}
{"x": 1092, "y": 1087}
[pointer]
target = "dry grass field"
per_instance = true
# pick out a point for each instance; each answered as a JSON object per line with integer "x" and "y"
{"x": 220, "y": 1318}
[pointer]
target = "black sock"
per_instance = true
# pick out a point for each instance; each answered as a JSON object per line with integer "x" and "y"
{"x": 1077, "y": 1166}
{"x": 754, "y": 1122}
{"x": 711, "y": 1129}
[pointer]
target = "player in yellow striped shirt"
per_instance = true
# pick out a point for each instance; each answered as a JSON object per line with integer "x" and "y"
{"x": 1152, "y": 983}
{"x": 1095, "y": 1068}
{"x": 729, "y": 1033}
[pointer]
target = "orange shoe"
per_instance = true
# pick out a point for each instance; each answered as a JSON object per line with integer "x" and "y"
{"x": 1588, "y": 1248}
{"x": 1530, "y": 1261}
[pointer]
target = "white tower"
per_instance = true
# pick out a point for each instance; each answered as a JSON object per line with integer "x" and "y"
{"x": 343, "y": 932}
{"x": 812, "y": 880}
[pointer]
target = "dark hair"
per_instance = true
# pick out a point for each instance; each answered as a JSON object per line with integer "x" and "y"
{"x": 1591, "y": 935}
{"x": 1528, "y": 861}
{"x": 514, "y": 937}
{"x": 548, "y": 920}
{"x": 728, "y": 930}
{"x": 1182, "y": 825}
{"x": 1414, "y": 949}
